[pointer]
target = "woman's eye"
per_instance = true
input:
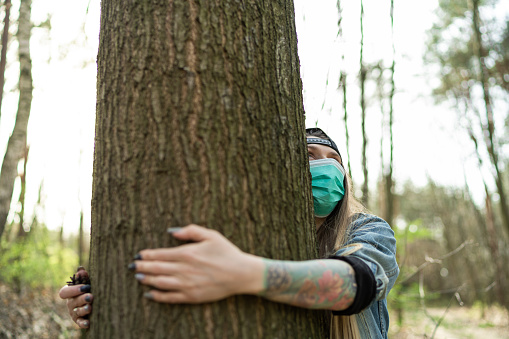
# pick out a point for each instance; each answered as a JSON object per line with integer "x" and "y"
{"x": 310, "y": 156}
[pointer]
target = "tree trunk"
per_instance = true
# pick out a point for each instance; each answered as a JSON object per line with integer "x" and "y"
{"x": 17, "y": 141}
{"x": 3, "y": 55}
{"x": 500, "y": 286}
{"x": 362, "y": 81}
{"x": 23, "y": 176}
{"x": 389, "y": 182}
{"x": 342, "y": 80}
{"x": 199, "y": 120}
{"x": 81, "y": 245}
{"x": 342, "y": 85}
{"x": 489, "y": 129}
{"x": 492, "y": 236}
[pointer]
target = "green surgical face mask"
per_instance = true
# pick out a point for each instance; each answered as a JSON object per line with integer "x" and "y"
{"x": 327, "y": 177}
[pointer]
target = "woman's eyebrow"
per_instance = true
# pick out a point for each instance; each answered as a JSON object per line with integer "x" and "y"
{"x": 335, "y": 155}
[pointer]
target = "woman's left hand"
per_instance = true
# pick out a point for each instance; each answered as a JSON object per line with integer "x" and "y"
{"x": 208, "y": 269}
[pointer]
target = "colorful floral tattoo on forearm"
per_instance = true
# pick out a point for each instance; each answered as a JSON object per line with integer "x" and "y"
{"x": 321, "y": 284}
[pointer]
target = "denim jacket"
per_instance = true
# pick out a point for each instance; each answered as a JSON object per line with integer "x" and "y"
{"x": 378, "y": 251}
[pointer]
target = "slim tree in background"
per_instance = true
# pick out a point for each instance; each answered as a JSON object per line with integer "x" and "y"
{"x": 3, "y": 55}
{"x": 21, "y": 200}
{"x": 362, "y": 80}
{"x": 472, "y": 65}
{"x": 489, "y": 127}
{"x": 17, "y": 141}
{"x": 389, "y": 183}
{"x": 491, "y": 233}
{"x": 199, "y": 120}
{"x": 342, "y": 85}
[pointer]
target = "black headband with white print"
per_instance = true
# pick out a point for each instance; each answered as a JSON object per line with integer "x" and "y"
{"x": 327, "y": 142}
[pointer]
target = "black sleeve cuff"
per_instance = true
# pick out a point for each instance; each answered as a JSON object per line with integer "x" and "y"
{"x": 366, "y": 285}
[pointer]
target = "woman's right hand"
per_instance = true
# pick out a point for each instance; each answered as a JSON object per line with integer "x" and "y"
{"x": 79, "y": 303}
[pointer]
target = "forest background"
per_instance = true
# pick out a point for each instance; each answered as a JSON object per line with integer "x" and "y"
{"x": 414, "y": 93}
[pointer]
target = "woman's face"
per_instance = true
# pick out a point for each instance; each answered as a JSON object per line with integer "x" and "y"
{"x": 317, "y": 151}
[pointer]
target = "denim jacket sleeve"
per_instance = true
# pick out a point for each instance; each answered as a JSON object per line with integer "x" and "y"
{"x": 377, "y": 249}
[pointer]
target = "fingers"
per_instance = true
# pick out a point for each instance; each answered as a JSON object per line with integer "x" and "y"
{"x": 72, "y": 291}
{"x": 168, "y": 297}
{"x": 161, "y": 282}
{"x": 158, "y": 274}
{"x": 79, "y": 307}
{"x": 83, "y": 323}
{"x": 80, "y": 301}
{"x": 163, "y": 254}
{"x": 193, "y": 233}
{"x": 82, "y": 311}
{"x": 82, "y": 273}
{"x": 155, "y": 267}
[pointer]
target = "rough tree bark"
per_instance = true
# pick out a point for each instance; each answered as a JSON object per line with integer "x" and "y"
{"x": 17, "y": 141}
{"x": 199, "y": 120}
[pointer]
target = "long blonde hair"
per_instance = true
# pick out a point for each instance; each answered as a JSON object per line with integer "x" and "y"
{"x": 331, "y": 236}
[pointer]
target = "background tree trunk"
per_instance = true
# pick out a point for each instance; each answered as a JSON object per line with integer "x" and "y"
{"x": 199, "y": 120}
{"x": 342, "y": 85}
{"x": 17, "y": 141}
{"x": 362, "y": 81}
{"x": 389, "y": 181}
{"x": 21, "y": 200}
{"x": 3, "y": 53}
{"x": 489, "y": 128}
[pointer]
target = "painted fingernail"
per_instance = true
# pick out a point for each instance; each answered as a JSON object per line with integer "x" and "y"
{"x": 85, "y": 288}
{"x": 88, "y": 298}
{"x": 139, "y": 276}
{"x": 137, "y": 256}
{"x": 86, "y": 323}
{"x": 131, "y": 267}
{"x": 172, "y": 230}
{"x": 148, "y": 295}
{"x": 87, "y": 307}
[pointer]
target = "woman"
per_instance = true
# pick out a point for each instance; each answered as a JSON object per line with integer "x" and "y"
{"x": 358, "y": 270}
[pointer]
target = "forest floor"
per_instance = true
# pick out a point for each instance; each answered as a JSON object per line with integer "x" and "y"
{"x": 34, "y": 314}
{"x": 42, "y": 314}
{"x": 458, "y": 323}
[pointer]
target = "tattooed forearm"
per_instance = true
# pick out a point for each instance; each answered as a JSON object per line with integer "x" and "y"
{"x": 324, "y": 284}
{"x": 278, "y": 278}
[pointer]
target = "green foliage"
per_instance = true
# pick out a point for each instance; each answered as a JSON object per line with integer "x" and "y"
{"x": 415, "y": 230}
{"x": 452, "y": 46}
{"x": 486, "y": 325}
{"x": 37, "y": 260}
{"x": 404, "y": 296}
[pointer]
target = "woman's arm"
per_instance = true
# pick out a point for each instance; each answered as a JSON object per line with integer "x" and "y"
{"x": 212, "y": 268}
{"x": 323, "y": 284}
